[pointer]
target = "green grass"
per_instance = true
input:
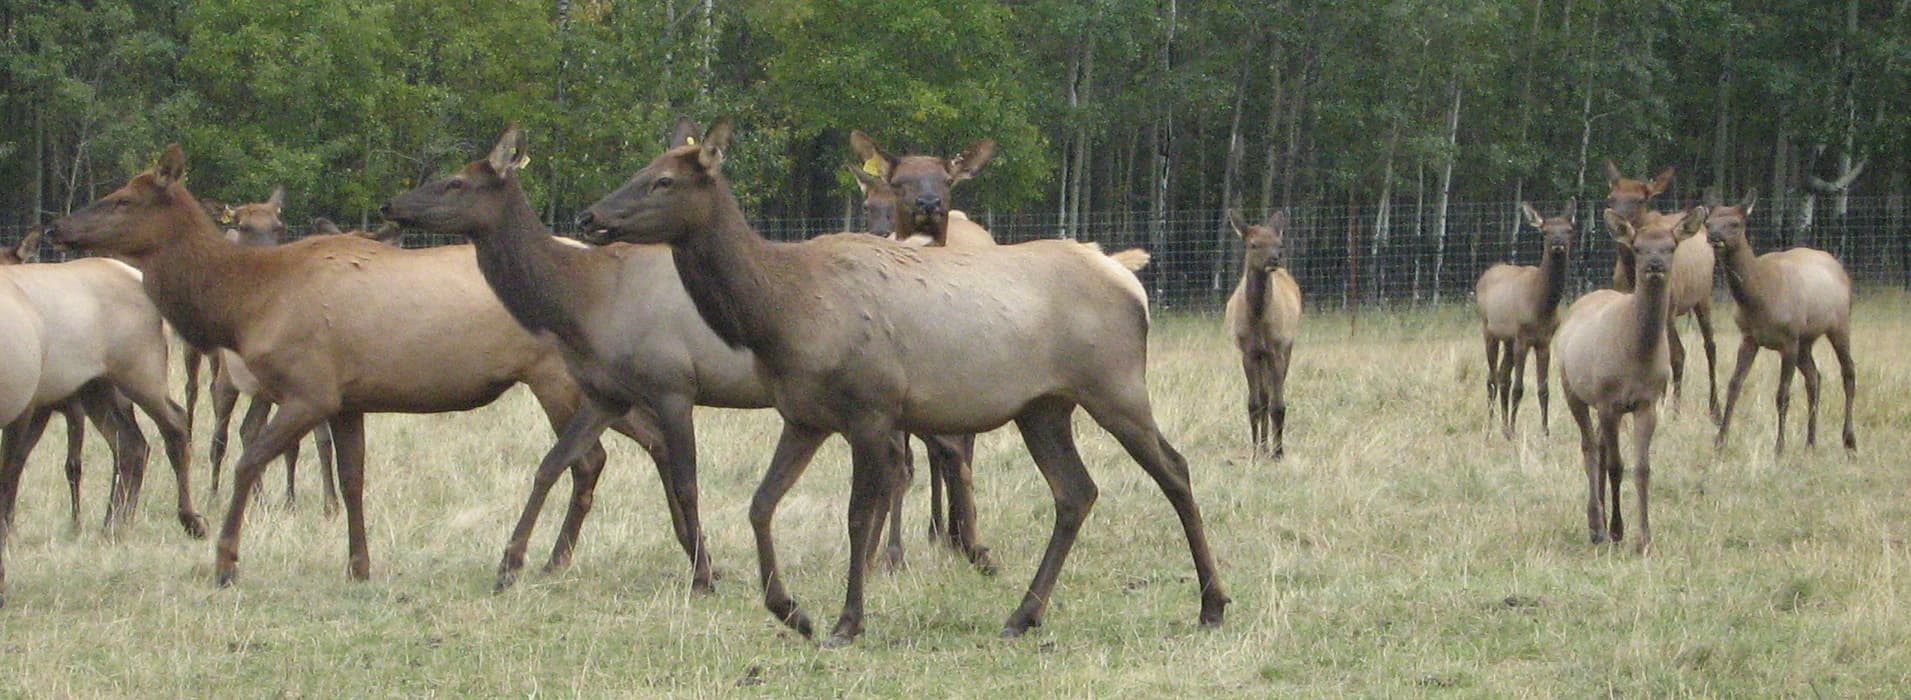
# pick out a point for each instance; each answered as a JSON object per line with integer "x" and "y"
{"x": 1402, "y": 548}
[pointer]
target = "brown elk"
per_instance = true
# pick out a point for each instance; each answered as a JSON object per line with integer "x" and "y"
{"x": 334, "y": 327}
{"x": 865, "y": 337}
{"x": 1264, "y": 315}
{"x": 1613, "y": 359}
{"x": 1786, "y": 301}
{"x": 1518, "y": 307}
{"x": 1691, "y": 279}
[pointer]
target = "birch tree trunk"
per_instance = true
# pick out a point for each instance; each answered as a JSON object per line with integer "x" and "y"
{"x": 1446, "y": 188}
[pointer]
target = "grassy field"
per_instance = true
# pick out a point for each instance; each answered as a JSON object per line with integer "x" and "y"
{"x": 1402, "y": 548}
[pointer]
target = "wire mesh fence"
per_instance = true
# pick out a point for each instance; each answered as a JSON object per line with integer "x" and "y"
{"x": 1345, "y": 257}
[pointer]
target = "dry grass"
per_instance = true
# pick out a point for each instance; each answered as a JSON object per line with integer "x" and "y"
{"x": 1402, "y": 548}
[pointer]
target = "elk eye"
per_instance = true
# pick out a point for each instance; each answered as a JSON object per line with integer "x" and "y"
{"x": 664, "y": 181}
{"x": 454, "y": 184}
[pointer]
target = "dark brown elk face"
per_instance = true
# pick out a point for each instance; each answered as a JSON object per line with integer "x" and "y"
{"x": 1558, "y": 230}
{"x": 258, "y": 224}
{"x": 879, "y": 201}
{"x": 921, "y": 184}
{"x": 1266, "y": 249}
{"x": 1725, "y": 227}
{"x": 133, "y": 220}
{"x": 28, "y": 250}
{"x": 470, "y": 200}
{"x": 1628, "y": 197}
{"x": 1652, "y": 244}
{"x": 677, "y": 195}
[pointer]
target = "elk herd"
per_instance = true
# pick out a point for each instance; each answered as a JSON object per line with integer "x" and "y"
{"x": 927, "y": 330}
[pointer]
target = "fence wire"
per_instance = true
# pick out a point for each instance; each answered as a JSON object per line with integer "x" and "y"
{"x": 1348, "y": 257}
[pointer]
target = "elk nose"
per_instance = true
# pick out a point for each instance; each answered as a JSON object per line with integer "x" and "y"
{"x": 929, "y": 202}
{"x": 384, "y": 210}
{"x": 585, "y": 219}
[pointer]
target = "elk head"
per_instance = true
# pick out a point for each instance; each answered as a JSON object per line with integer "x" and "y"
{"x": 467, "y": 201}
{"x": 879, "y": 199}
{"x": 1628, "y": 197}
{"x": 1652, "y": 243}
{"x": 921, "y": 184}
{"x": 677, "y": 194}
{"x": 1725, "y": 227}
{"x": 1266, "y": 249}
{"x": 257, "y": 224}
{"x": 132, "y": 221}
{"x": 1558, "y": 230}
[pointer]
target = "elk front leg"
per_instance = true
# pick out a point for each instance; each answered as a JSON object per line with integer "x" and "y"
{"x": 1747, "y": 352}
{"x": 794, "y": 449}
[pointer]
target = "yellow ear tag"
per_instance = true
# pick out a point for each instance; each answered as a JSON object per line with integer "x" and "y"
{"x": 874, "y": 166}
{"x": 690, "y": 141}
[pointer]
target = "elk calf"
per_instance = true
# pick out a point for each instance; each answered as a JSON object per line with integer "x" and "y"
{"x": 1613, "y": 359}
{"x": 1264, "y": 315}
{"x": 1518, "y": 306}
{"x": 1786, "y": 300}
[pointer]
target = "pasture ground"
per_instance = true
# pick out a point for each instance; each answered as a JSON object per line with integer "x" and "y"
{"x": 1402, "y": 548}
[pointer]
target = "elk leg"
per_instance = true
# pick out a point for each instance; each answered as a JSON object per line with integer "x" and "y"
{"x": 1589, "y": 453}
{"x": 940, "y": 529}
{"x": 1703, "y": 314}
{"x": 1542, "y": 360}
{"x": 951, "y": 460}
{"x": 891, "y": 511}
{"x": 16, "y": 442}
{"x": 1808, "y": 368}
{"x": 170, "y": 419}
{"x": 294, "y": 420}
{"x": 1615, "y": 468}
{"x": 348, "y": 436}
{"x": 1841, "y": 345}
{"x": 328, "y": 473}
{"x": 224, "y": 397}
{"x": 292, "y": 470}
{"x": 1256, "y": 398}
{"x": 794, "y": 449}
{"x": 1747, "y": 352}
{"x": 193, "y": 358}
{"x": 873, "y": 473}
{"x": 75, "y": 414}
{"x": 1518, "y": 371}
{"x": 579, "y": 436}
{"x": 679, "y": 438}
{"x": 1507, "y": 356}
{"x": 1277, "y": 398}
{"x": 1676, "y": 348}
{"x": 1132, "y": 423}
{"x": 1492, "y": 370}
{"x": 109, "y": 409}
{"x": 1644, "y": 422}
{"x": 1787, "y": 363}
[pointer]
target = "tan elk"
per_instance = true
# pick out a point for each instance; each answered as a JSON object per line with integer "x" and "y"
{"x": 98, "y": 333}
{"x": 109, "y": 408}
{"x": 1692, "y": 268}
{"x": 1519, "y": 309}
{"x": 1264, "y": 315}
{"x": 334, "y": 327}
{"x": 1613, "y": 360}
{"x": 864, "y": 337}
{"x": 1786, "y": 301}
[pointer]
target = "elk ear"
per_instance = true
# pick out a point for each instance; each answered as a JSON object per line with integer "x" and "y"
{"x": 1612, "y": 173}
{"x": 277, "y": 200}
{"x": 715, "y": 142}
{"x": 866, "y": 180}
{"x": 1277, "y": 221}
{"x": 29, "y": 248}
{"x": 970, "y": 161}
{"x": 1660, "y": 183}
{"x": 509, "y": 155}
{"x": 1621, "y": 228}
{"x": 1532, "y": 216}
{"x": 1745, "y": 205}
{"x": 388, "y": 233}
{"x": 323, "y": 225}
{"x": 874, "y": 160}
{"x": 683, "y": 134}
{"x": 171, "y": 167}
{"x": 1235, "y": 222}
{"x": 1692, "y": 224}
{"x": 1571, "y": 215}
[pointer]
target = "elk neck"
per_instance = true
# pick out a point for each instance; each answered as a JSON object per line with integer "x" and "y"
{"x": 1552, "y": 274}
{"x": 1254, "y": 285}
{"x": 540, "y": 280}
{"x": 732, "y": 274}
{"x": 1651, "y": 302}
{"x": 204, "y": 285}
{"x": 1742, "y": 278}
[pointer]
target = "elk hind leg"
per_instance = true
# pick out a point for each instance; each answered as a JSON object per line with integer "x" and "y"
{"x": 1841, "y": 345}
{"x": 1808, "y": 368}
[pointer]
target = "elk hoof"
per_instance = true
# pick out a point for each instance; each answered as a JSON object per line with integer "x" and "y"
{"x": 703, "y": 586}
{"x": 1019, "y": 623}
{"x": 838, "y": 641}
{"x": 194, "y": 524}
{"x": 505, "y": 580}
{"x": 225, "y": 578}
{"x": 1214, "y": 610}
{"x": 1718, "y": 443}
{"x": 1851, "y": 441}
{"x": 1643, "y": 547}
{"x": 979, "y": 558}
{"x": 1599, "y": 537}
